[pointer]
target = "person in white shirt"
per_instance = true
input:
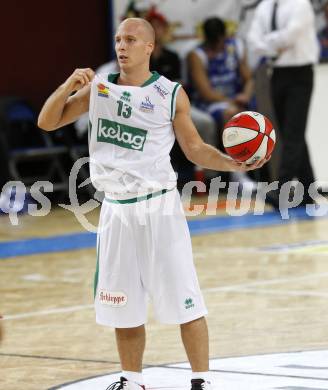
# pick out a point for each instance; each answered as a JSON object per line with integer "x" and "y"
{"x": 284, "y": 32}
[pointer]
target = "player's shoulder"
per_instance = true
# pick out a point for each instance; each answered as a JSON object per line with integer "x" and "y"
{"x": 167, "y": 92}
{"x": 165, "y": 81}
{"x": 164, "y": 86}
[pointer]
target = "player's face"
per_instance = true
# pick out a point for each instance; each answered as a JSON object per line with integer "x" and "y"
{"x": 131, "y": 46}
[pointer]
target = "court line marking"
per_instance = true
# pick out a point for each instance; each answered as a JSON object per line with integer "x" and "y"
{"x": 251, "y": 373}
{"x": 292, "y": 293}
{"x": 209, "y": 225}
{"x": 56, "y": 387}
{"x": 171, "y": 366}
{"x": 245, "y": 287}
{"x": 263, "y": 251}
{"x": 267, "y": 282}
{"x": 46, "y": 312}
{"x": 168, "y": 365}
{"x": 56, "y": 358}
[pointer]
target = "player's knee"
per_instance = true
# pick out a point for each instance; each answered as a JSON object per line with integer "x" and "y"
{"x": 130, "y": 332}
{"x": 193, "y": 322}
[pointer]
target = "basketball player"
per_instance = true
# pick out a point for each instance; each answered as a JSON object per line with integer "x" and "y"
{"x": 134, "y": 118}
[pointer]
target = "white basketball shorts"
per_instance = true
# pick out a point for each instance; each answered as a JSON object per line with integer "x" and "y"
{"x": 144, "y": 251}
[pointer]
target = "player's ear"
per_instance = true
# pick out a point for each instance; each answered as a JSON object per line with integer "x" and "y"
{"x": 150, "y": 48}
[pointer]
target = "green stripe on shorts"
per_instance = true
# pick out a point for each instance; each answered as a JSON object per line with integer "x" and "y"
{"x": 139, "y": 198}
{"x": 95, "y": 283}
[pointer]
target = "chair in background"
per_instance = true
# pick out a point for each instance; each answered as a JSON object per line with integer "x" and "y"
{"x": 32, "y": 153}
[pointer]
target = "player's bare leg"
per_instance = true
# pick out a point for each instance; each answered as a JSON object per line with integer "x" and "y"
{"x": 195, "y": 340}
{"x": 131, "y": 345}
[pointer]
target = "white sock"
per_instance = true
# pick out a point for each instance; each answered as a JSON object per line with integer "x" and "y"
{"x": 200, "y": 375}
{"x": 133, "y": 376}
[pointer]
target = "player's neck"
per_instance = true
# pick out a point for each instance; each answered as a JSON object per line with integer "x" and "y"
{"x": 134, "y": 78}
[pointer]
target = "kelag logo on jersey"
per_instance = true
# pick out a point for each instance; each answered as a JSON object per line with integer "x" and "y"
{"x": 121, "y": 135}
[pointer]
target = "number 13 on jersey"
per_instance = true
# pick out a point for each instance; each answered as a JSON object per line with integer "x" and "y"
{"x": 123, "y": 109}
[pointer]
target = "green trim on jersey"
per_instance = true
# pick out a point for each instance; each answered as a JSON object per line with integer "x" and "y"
{"x": 113, "y": 77}
{"x": 95, "y": 283}
{"x": 138, "y": 199}
{"x": 173, "y": 99}
{"x": 154, "y": 77}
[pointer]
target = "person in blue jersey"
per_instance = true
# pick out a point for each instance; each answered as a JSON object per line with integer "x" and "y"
{"x": 220, "y": 78}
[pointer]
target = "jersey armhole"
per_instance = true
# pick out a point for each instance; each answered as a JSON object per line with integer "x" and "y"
{"x": 174, "y": 100}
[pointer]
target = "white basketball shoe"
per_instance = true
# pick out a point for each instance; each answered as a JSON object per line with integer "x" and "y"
{"x": 200, "y": 384}
{"x": 124, "y": 384}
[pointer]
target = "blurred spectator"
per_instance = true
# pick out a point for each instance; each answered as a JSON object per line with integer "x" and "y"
{"x": 220, "y": 78}
{"x": 323, "y": 37}
{"x": 284, "y": 32}
{"x": 221, "y": 82}
{"x": 164, "y": 61}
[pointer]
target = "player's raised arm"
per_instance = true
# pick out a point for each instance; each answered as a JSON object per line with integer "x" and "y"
{"x": 195, "y": 149}
{"x": 61, "y": 108}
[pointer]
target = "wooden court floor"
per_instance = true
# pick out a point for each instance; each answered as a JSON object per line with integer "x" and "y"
{"x": 265, "y": 288}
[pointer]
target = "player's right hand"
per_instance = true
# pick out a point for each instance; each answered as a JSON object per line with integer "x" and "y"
{"x": 79, "y": 79}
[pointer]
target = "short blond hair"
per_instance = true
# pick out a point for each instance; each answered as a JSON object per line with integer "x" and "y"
{"x": 145, "y": 25}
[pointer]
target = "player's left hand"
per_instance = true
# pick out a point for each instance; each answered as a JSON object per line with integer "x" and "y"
{"x": 236, "y": 166}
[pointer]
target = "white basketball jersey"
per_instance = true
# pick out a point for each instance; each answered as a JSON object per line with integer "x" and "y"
{"x": 131, "y": 135}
